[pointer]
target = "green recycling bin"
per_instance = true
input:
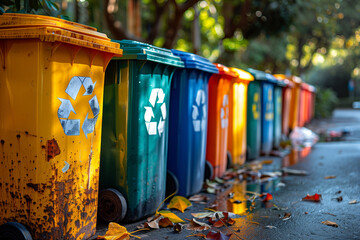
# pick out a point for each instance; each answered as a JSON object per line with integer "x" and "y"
{"x": 278, "y": 112}
{"x": 253, "y": 127}
{"x": 135, "y": 131}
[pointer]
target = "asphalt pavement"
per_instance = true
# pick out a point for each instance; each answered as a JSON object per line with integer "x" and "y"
{"x": 333, "y": 171}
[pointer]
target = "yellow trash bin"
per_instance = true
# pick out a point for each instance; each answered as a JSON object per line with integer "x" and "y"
{"x": 51, "y": 95}
{"x": 237, "y": 115}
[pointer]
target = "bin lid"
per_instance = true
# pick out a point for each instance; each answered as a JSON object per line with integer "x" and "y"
{"x": 262, "y": 76}
{"x": 224, "y": 70}
{"x": 194, "y": 61}
{"x": 144, "y": 51}
{"x": 284, "y": 79}
{"x": 242, "y": 74}
{"x": 51, "y": 29}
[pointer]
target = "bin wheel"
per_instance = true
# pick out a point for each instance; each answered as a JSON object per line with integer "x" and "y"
{"x": 209, "y": 171}
{"x": 172, "y": 184}
{"x": 112, "y": 205}
{"x": 14, "y": 231}
{"x": 228, "y": 160}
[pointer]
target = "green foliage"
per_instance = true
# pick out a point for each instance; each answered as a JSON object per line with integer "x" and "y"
{"x": 41, "y": 7}
{"x": 326, "y": 101}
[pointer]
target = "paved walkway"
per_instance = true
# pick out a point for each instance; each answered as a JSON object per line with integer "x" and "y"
{"x": 338, "y": 159}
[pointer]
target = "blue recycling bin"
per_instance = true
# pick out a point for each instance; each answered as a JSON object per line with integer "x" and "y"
{"x": 268, "y": 83}
{"x": 188, "y": 123}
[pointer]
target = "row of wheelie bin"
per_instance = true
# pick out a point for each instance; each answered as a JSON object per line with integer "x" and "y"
{"x": 91, "y": 127}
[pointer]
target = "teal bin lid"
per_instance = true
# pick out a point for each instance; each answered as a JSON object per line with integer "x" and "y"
{"x": 144, "y": 51}
{"x": 194, "y": 61}
{"x": 262, "y": 76}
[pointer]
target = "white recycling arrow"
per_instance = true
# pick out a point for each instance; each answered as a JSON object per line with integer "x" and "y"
{"x": 161, "y": 95}
{"x": 148, "y": 114}
{"x": 65, "y": 108}
{"x": 161, "y": 127}
{"x": 89, "y": 86}
{"x": 195, "y": 112}
{"x": 153, "y": 96}
{"x": 71, "y": 127}
{"x": 89, "y": 125}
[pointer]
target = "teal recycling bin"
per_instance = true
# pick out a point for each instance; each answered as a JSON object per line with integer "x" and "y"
{"x": 135, "y": 131}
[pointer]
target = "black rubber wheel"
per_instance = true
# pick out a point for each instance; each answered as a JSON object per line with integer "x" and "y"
{"x": 112, "y": 206}
{"x": 14, "y": 231}
{"x": 172, "y": 184}
{"x": 209, "y": 171}
{"x": 228, "y": 160}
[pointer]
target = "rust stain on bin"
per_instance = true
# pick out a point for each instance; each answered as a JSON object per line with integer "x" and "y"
{"x": 52, "y": 149}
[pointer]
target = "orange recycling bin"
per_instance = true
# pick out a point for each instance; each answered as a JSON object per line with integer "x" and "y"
{"x": 237, "y": 115}
{"x": 286, "y": 100}
{"x": 295, "y": 102}
{"x": 304, "y": 104}
{"x": 51, "y": 95}
{"x": 218, "y": 119}
{"x": 312, "y": 101}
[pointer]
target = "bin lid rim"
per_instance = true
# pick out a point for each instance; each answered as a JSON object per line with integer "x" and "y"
{"x": 224, "y": 70}
{"x": 195, "y": 61}
{"x": 242, "y": 74}
{"x": 19, "y": 20}
{"x": 144, "y": 51}
{"x": 262, "y": 76}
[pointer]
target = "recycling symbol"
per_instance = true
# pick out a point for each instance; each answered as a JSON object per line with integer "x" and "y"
{"x": 154, "y": 127}
{"x": 71, "y": 127}
{"x": 224, "y": 111}
{"x": 199, "y": 123}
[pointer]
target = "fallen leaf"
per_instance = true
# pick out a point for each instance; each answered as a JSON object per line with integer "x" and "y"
{"x": 202, "y": 214}
{"x": 267, "y": 197}
{"x": 338, "y": 192}
{"x": 295, "y": 172}
{"x": 315, "y": 198}
{"x": 330, "y": 177}
{"x": 197, "y": 235}
{"x": 211, "y": 190}
{"x": 217, "y": 236}
{"x": 286, "y": 216}
{"x": 330, "y": 223}
{"x": 180, "y": 203}
{"x": 306, "y": 212}
{"x": 199, "y": 198}
{"x": 267, "y": 162}
{"x": 254, "y": 222}
{"x": 195, "y": 225}
{"x": 270, "y": 227}
{"x": 339, "y": 199}
{"x": 330, "y": 214}
{"x": 173, "y": 217}
{"x": 178, "y": 227}
{"x": 353, "y": 202}
{"x": 165, "y": 222}
{"x": 115, "y": 231}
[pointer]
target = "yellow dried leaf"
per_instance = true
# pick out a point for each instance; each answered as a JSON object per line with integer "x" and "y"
{"x": 115, "y": 232}
{"x": 267, "y": 162}
{"x": 171, "y": 216}
{"x": 330, "y": 177}
{"x": 180, "y": 203}
{"x": 330, "y": 223}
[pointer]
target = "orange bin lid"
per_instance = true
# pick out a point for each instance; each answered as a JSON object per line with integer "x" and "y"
{"x": 223, "y": 70}
{"x": 285, "y": 79}
{"x": 51, "y": 29}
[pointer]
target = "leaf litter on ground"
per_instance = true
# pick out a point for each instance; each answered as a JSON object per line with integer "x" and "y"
{"x": 195, "y": 225}
{"x": 199, "y": 198}
{"x": 353, "y": 202}
{"x": 180, "y": 203}
{"x": 330, "y": 223}
{"x": 313, "y": 198}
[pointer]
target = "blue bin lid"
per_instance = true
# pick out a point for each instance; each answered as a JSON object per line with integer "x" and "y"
{"x": 143, "y": 51}
{"x": 195, "y": 61}
{"x": 262, "y": 76}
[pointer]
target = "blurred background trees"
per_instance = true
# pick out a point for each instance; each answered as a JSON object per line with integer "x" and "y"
{"x": 316, "y": 39}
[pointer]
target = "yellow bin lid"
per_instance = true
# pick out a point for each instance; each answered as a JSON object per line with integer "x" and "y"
{"x": 51, "y": 29}
{"x": 242, "y": 75}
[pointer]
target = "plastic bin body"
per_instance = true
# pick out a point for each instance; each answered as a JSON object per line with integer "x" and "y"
{"x": 277, "y": 115}
{"x": 237, "y": 115}
{"x": 295, "y": 103}
{"x": 286, "y": 102}
{"x": 253, "y": 132}
{"x": 188, "y": 122}
{"x": 51, "y": 94}
{"x": 135, "y": 127}
{"x": 267, "y": 117}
